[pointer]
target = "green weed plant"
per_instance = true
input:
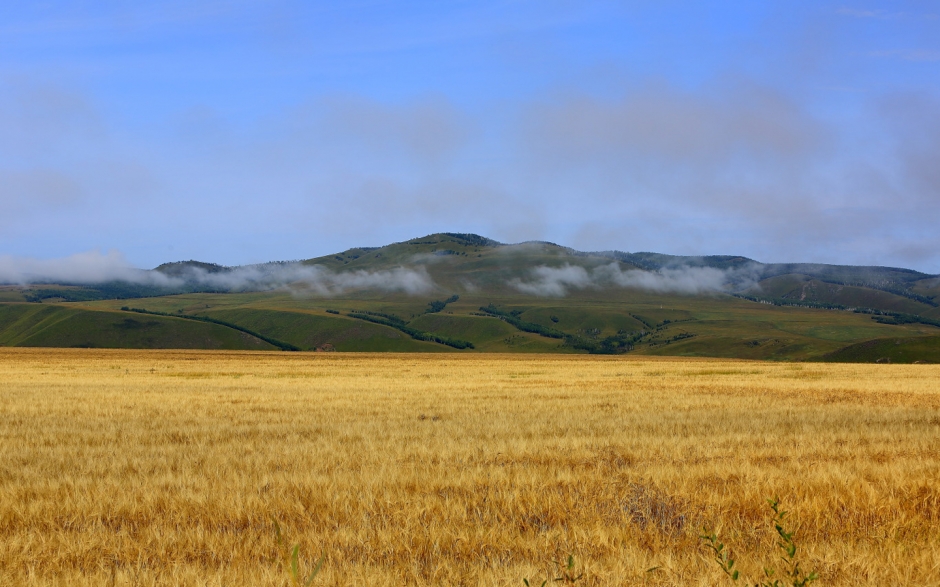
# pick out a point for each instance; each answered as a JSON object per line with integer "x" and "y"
{"x": 788, "y": 573}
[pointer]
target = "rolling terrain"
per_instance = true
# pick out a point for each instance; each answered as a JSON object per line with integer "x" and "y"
{"x": 466, "y": 293}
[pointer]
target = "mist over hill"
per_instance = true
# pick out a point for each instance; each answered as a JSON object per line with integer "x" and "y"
{"x": 455, "y": 292}
{"x": 451, "y": 261}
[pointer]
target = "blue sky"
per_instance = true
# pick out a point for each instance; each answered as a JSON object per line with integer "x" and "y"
{"x": 240, "y": 132}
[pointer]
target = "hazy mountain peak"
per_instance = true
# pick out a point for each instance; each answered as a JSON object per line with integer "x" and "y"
{"x": 182, "y": 268}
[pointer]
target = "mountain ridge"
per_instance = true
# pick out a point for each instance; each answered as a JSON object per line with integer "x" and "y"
{"x": 642, "y": 259}
{"x": 462, "y": 292}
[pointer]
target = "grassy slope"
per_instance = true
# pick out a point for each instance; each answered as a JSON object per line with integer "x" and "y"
{"x": 929, "y": 288}
{"x": 802, "y": 288}
{"x": 487, "y": 334}
{"x": 300, "y": 321}
{"x": 58, "y": 326}
{"x": 895, "y": 350}
{"x": 721, "y": 325}
{"x": 11, "y": 294}
{"x": 309, "y": 331}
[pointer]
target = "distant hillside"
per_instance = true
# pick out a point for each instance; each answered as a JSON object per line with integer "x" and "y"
{"x": 889, "y": 350}
{"x": 42, "y": 325}
{"x": 456, "y": 292}
{"x": 184, "y": 268}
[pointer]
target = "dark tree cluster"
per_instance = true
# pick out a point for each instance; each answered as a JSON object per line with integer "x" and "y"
{"x": 284, "y": 346}
{"x": 438, "y": 305}
{"x": 513, "y": 319}
{"x": 399, "y": 324}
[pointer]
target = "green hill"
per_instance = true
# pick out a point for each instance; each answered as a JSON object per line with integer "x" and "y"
{"x": 323, "y": 331}
{"x": 889, "y": 350}
{"x": 453, "y": 292}
{"x": 803, "y": 288}
{"x": 42, "y": 325}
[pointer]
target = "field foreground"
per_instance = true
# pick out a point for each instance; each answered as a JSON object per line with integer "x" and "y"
{"x": 169, "y": 467}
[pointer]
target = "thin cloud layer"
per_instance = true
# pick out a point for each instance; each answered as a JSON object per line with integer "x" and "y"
{"x": 554, "y": 281}
{"x": 660, "y": 121}
{"x": 777, "y": 131}
{"x": 558, "y": 281}
{"x": 93, "y": 268}
{"x": 80, "y": 269}
{"x": 428, "y": 129}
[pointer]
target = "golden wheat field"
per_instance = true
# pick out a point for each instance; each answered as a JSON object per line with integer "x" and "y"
{"x": 170, "y": 468}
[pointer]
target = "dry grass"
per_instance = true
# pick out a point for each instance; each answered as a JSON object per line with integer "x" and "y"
{"x": 167, "y": 468}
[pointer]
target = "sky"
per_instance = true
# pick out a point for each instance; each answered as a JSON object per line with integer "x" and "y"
{"x": 247, "y": 131}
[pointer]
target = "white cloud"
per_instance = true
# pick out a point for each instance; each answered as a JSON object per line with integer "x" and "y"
{"x": 554, "y": 281}
{"x": 95, "y": 267}
{"x": 83, "y": 268}
{"x": 557, "y": 281}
